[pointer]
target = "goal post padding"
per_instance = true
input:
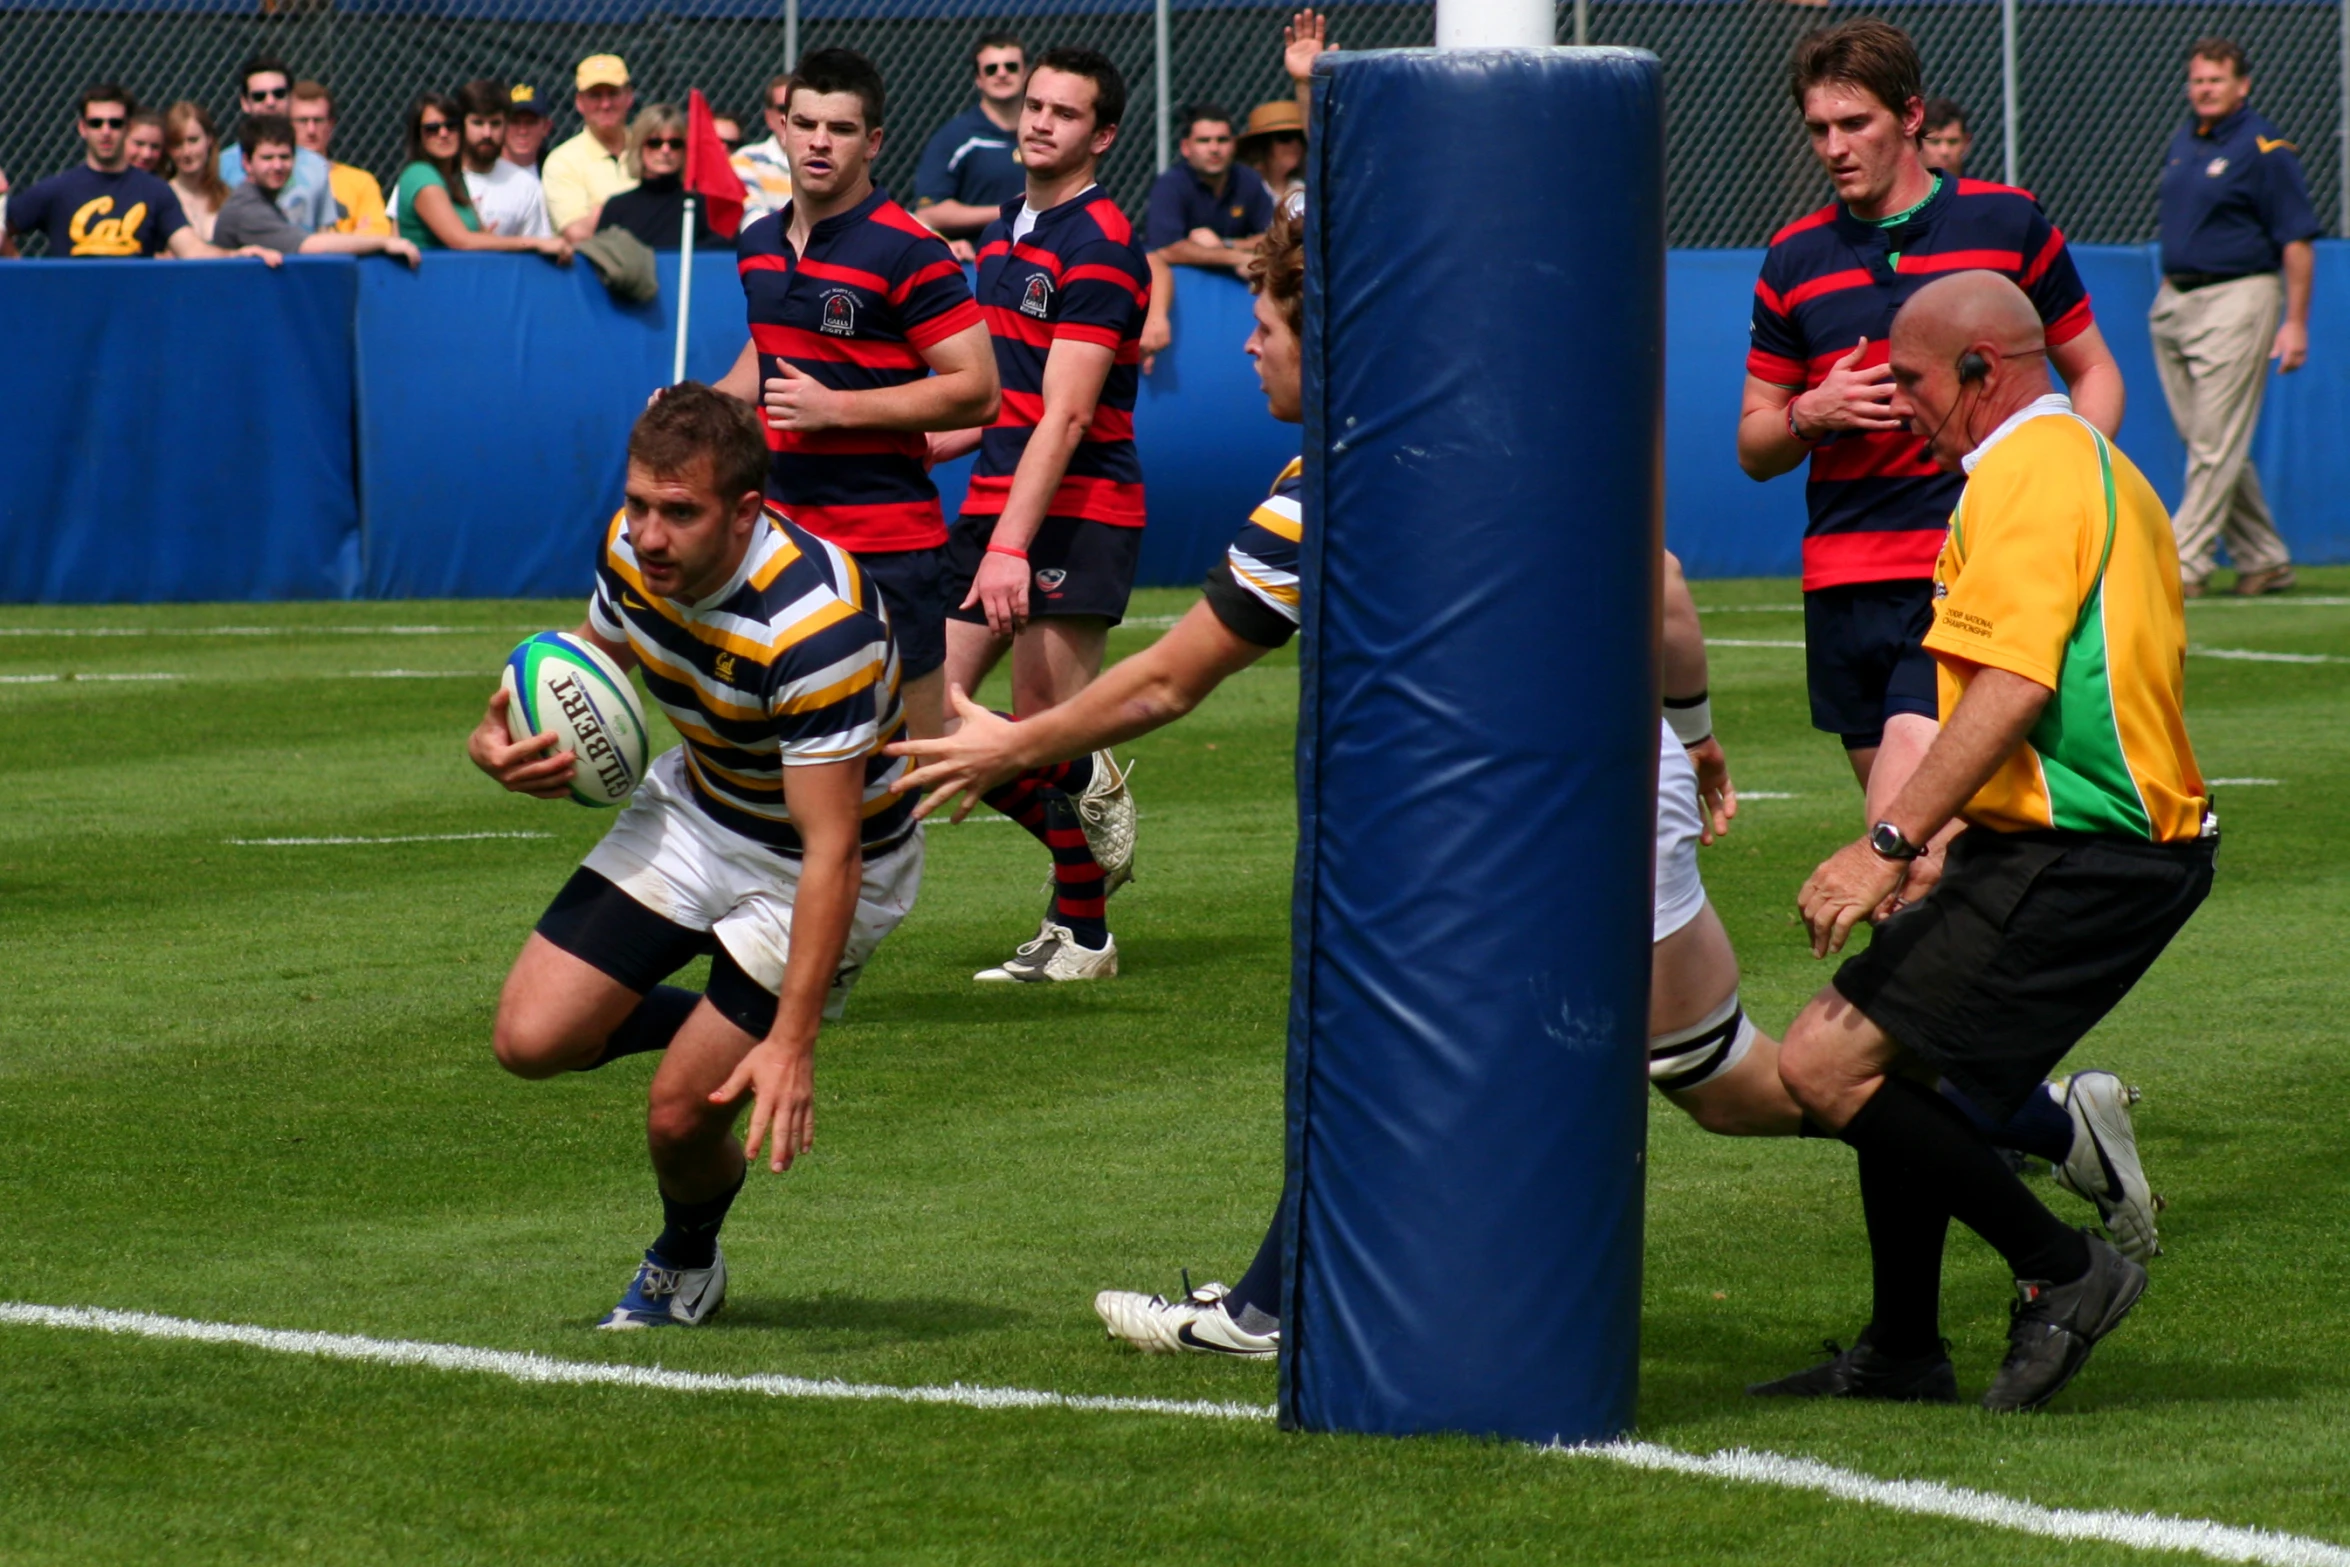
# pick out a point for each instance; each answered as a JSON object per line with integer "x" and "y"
{"x": 1477, "y": 743}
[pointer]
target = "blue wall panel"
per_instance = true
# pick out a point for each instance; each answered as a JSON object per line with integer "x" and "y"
{"x": 176, "y": 430}
{"x": 497, "y": 396}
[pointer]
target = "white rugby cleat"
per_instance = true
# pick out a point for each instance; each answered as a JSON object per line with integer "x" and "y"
{"x": 1053, "y": 956}
{"x": 1197, "y": 1324}
{"x": 2103, "y": 1165}
{"x": 1105, "y": 809}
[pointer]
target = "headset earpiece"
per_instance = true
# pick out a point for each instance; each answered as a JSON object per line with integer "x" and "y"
{"x": 1972, "y": 367}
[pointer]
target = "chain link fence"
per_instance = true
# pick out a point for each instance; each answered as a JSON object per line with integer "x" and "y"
{"x": 2099, "y": 86}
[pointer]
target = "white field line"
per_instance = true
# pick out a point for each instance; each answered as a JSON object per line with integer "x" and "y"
{"x": 417, "y": 837}
{"x": 255, "y": 631}
{"x": 1749, "y": 642}
{"x": 417, "y": 674}
{"x": 2251, "y": 656}
{"x": 2143, "y": 1531}
{"x": 1766, "y": 794}
{"x": 2244, "y": 783}
{"x": 2140, "y": 1531}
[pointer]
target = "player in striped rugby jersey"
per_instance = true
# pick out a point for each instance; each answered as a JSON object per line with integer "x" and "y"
{"x": 769, "y": 840}
{"x": 1703, "y": 1055}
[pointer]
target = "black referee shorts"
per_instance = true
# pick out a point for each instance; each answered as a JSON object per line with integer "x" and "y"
{"x": 2028, "y": 940}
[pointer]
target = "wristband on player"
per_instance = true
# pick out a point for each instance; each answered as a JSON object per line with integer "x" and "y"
{"x": 1006, "y": 549}
{"x": 1808, "y": 440}
{"x": 1691, "y": 718}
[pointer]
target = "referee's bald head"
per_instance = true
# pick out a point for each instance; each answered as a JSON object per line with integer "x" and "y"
{"x": 1967, "y": 311}
{"x": 1967, "y": 350}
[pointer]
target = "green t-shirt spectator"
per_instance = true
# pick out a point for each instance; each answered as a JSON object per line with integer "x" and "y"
{"x": 420, "y": 176}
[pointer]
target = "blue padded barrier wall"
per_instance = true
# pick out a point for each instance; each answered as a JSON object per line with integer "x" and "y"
{"x": 496, "y": 398}
{"x": 176, "y": 430}
{"x": 1477, "y": 748}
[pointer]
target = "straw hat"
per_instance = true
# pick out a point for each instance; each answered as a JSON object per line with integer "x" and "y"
{"x": 1270, "y": 119}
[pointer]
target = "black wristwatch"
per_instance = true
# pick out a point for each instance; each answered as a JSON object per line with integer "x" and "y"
{"x": 1886, "y": 841}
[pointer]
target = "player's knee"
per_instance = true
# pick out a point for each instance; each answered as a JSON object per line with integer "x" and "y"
{"x": 529, "y": 1048}
{"x": 1812, "y": 1068}
{"x": 679, "y": 1123}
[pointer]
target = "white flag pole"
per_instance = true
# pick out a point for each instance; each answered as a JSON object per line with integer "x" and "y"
{"x": 685, "y": 287}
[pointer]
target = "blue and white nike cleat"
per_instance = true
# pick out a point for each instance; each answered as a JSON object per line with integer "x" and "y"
{"x": 664, "y": 1297}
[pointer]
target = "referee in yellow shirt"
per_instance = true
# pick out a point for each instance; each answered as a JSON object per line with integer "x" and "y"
{"x": 2061, "y": 642}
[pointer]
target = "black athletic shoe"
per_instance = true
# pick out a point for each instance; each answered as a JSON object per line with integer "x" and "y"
{"x": 1861, "y": 1372}
{"x": 2052, "y": 1328}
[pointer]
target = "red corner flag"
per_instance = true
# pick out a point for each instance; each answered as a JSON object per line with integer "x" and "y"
{"x": 709, "y": 174}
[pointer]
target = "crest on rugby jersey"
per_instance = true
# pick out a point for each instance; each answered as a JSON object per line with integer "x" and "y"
{"x": 1051, "y": 578}
{"x": 1038, "y": 300}
{"x": 723, "y": 667}
{"x": 2216, "y": 167}
{"x": 840, "y": 313}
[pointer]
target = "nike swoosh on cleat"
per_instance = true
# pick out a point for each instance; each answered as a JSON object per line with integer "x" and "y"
{"x": 1194, "y": 1341}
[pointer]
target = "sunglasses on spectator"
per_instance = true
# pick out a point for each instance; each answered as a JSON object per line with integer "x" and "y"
{"x": 673, "y": 143}
{"x": 730, "y": 143}
{"x": 264, "y": 94}
{"x": 1000, "y": 68}
{"x": 435, "y": 128}
{"x": 105, "y": 122}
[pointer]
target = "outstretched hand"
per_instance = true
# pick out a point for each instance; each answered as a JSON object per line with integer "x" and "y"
{"x": 1306, "y": 36}
{"x": 781, "y": 1079}
{"x": 976, "y": 758}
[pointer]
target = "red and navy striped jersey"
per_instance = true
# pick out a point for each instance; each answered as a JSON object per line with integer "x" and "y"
{"x": 1878, "y": 504}
{"x": 874, "y": 290}
{"x": 1075, "y": 276}
{"x": 790, "y": 664}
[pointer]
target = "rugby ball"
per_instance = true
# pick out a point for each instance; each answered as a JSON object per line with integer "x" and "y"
{"x": 558, "y": 682}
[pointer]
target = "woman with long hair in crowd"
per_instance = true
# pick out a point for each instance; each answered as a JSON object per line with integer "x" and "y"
{"x": 654, "y": 211}
{"x": 191, "y": 144}
{"x": 143, "y": 143}
{"x": 436, "y": 210}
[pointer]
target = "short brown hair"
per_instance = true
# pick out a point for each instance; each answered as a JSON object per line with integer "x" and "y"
{"x": 2221, "y": 51}
{"x": 307, "y": 91}
{"x": 1278, "y": 270}
{"x": 690, "y": 422}
{"x": 1872, "y": 55}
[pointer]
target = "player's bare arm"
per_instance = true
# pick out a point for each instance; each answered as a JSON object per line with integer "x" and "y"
{"x": 1685, "y": 681}
{"x": 1133, "y": 697}
{"x": 2291, "y": 349}
{"x": 1074, "y": 373}
{"x": 961, "y": 391}
{"x": 2093, "y": 377}
{"x": 825, "y": 801}
{"x": 1990, "y": 721}
{"x": 525, "y": 766}
{"x": 1850, "y": 398}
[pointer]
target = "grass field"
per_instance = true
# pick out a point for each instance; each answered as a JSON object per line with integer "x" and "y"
{"x": 250, "y": 1083}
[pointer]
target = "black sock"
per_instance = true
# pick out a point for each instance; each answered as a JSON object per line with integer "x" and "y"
{"x": 689, "y": 1232}
{"x": 1907, "y": 1121}
{"x": 1255, "y": 1302}
{"x": 651, "y": 1026}
{"x": 2042, "y": 1126}
{"x": 1906, "y": 1230}
{"x": 1079, "y": 888}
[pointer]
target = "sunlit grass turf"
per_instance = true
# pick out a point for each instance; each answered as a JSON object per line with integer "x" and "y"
{"x": 252, "y": 1084}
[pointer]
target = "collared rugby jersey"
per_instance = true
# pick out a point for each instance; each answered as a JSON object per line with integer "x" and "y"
{"x": 2060, "y": 568}
{"x": 1075, "y": 275}
{"x": 790, "y": 664}
{"x": 874, "y": 290}
{"x": 1877, "y": 503}
{"x": 1253, "y": 589}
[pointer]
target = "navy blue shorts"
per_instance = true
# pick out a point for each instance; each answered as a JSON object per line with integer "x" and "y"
{"x": 913, "y": 586}
{"x": 1076, "y": 568}
{"x": 1865, "y": 652}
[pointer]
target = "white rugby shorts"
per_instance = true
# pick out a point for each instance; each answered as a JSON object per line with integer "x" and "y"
{"x": 1679, "y": 892}
{"x": 665, "y": 854}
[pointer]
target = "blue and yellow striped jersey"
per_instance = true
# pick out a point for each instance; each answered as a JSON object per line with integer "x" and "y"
{"x": 791, "y": 663}
{"x": 1253, "y": 589}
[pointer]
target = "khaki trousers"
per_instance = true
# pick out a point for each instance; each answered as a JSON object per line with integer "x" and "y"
{"x": 2211, "y": 350}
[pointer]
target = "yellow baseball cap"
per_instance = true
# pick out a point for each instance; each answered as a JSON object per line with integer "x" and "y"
{"x": 601, "y": 70}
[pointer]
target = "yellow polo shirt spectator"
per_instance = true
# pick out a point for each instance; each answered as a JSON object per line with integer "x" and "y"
{"x": 2060, "y": 567}
{"x": 578, "y": 176}
{"x": 360, "y": 197}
